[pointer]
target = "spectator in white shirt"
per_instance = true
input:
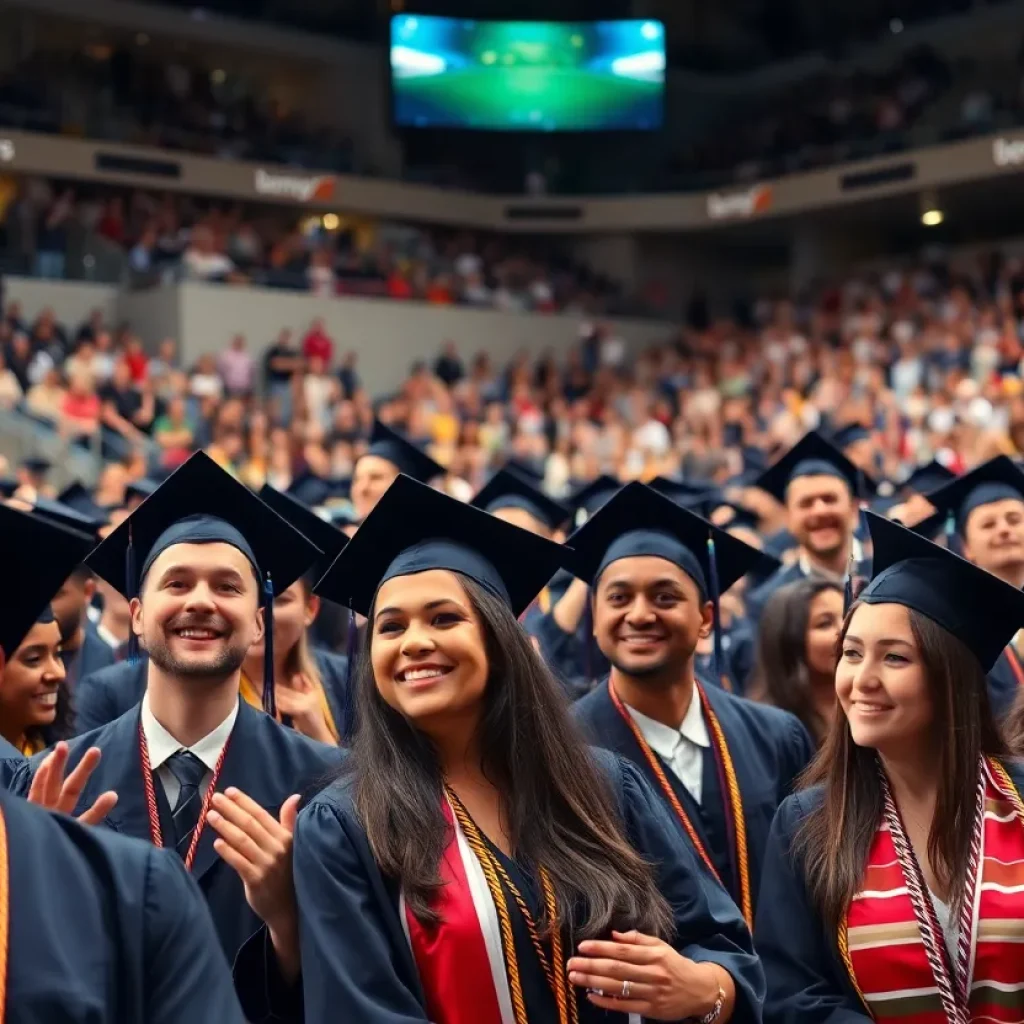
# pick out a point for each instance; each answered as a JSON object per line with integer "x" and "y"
{"x": 203, "y": 261}
{"x": 237, "y": 368}
{"x": 205, "y": 381}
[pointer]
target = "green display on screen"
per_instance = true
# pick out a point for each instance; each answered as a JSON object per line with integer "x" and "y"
{"x": 527, "y": 76}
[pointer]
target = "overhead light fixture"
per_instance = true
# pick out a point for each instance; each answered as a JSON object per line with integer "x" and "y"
{"x": 930, "y": 208}
{"x": 932, "y": 218}
{"x": 331, "y": 221}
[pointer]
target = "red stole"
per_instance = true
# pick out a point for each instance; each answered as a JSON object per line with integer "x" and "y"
{"x": 890, "y": 945}
{"x": 452, "y": 958}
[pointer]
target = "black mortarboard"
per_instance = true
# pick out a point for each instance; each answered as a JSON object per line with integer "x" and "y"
{"x": 931, "y": 528}
{"x": 995, "y": 480}
{"x": 639, "y": 521}
{"x": 65, "y": 515}
{"x": 402, "y": 453}
{"x": 742, "y": 517}
{"x": 78, "y": 497}
{"x": 200, "y": 503}
{"x": 414, "y": 528}
{"x": 525, "y": 470}
{"x": 311, "y": 489}
{"x": 850, "y": 435}
{"x": 38, "y": 556}
{"x": 970, "y": 603}
{"x": 928, "y": 478}
{"x": 329, "y": 539}
{"x": 586, "y": 500}
{"x": 812, "y": 455}
{"x": 37, "y": 465}
{"x": 688, "y": 493}
{"x": 510, "y": 490}
{"x": 140, "y": 489}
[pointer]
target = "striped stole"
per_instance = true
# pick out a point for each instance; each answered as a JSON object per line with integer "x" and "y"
{"x": 887, "y": 954}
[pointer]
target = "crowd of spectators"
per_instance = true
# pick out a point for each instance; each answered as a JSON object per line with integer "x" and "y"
{"x": 180, "y": 237}
{"x": 928, "y": 358}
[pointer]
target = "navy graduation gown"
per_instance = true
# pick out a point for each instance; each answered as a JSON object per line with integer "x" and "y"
{"x": 807, "y": 981}
{"x": 1003, "y": 685}
{"x": 357, "y": 962}
{"x": 109, "y": 693}
{"x": 758, "y": 597}
{"x": 266, "y": 761}
{"x": 11, "y": 759}
{"x": 106, "y": 930}
{"x": 769, "y": 749}
{"x": 94, "y": 654}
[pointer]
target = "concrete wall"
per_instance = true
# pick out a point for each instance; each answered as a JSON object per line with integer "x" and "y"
{"x": 388, "y": 336}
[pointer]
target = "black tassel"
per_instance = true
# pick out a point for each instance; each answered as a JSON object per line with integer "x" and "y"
{"x": 715, "y": 595}
{"x": 848, "y": 586}
{"x": 348, "y": 703}
{"x": 269, "y": 699}
{"x": 131, "y": 585}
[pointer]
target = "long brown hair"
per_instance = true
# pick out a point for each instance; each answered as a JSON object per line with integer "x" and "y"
{"x": 560, "y": 810}
{"x": 834, "y": 840}
{"x": 780, "y": 675}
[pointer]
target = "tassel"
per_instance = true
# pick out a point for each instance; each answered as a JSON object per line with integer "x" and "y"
{"x": 950, "y": 528}
{"x": 848, "y": 586}
{"x": 269, "y": 699}
{"x": 715, "y": 595}
{"x": 131, "y": 584}
{"x": 348, "y": 704}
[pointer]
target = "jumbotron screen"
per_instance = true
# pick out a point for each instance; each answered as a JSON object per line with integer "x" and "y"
{"x": 543, "y": 76}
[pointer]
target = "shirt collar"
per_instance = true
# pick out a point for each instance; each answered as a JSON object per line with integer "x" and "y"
{"x": 664, "y": 740}
{"x": 856, "y": 549}
{"x": 161, "y": 744}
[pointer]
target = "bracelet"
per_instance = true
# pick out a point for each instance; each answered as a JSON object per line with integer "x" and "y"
{"x": 716, "y": 1010}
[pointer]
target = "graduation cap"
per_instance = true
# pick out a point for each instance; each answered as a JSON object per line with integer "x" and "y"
{"x": 388, "y": 444}
{"x": 525, "y": 470}
{"x": 200, "y": 503}
{"x": 65, "y": 515}
{"x": 968, "y": 602}
{"x": 441, "y": 533}
{"x": 507, "y": 489}
{"x": 311, "y": 489}
{"x": 928, "y": 478}
{"x": 996, "y": 480}
{"x": 849, "y": 435}
{"x": 683, "y": 492}
{"x": 329, "y": 539}
{"x": 37, "y": 465}
{"x": 812, "y": 455}
{"x": 742, "y": 517}
{"x": 639, "y": 521}
{"x": 38, "y": 556}
{"x": 140, "y": 489}
{"x": 586, "y": 500}
{"x": 78, "y": 497}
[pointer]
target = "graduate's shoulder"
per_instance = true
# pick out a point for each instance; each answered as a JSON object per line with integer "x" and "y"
{"x": 116, "y": 676}
{"x": 794, "y": 811}
{"x": 292, "y": 748}
{"x": 592, "y": 703}
{"x": 763, "y": 719}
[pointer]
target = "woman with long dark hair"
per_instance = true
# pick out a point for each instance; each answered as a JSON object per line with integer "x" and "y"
{"x": 893, "y": 889}
{"x": 476, "y": 863}
{"x": 796, "y": 652}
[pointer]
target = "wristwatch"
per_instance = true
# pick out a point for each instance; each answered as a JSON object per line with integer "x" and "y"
{"x": 716, "y": 1010}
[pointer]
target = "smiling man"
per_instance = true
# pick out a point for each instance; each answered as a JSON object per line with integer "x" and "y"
{"x": 722, "y": 764}
{"x": 985, "y": 507}
{"x": 193, "y": 755}
{"x": 820, "y": 488}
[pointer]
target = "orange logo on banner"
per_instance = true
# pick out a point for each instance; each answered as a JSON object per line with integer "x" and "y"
{"x": 750, "y": 202}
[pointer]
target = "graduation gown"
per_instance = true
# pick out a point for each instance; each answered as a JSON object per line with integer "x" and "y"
{"x": 94, "y": 654}
{"x": 769, "y": 748}
{"x": 1003, "y": 684}
{"x": 105, "y": 930}
{"x": 11, "y": 759}
{"x": 357, "y": 961}
{"x": 109, "y": 693}
{"x": 266, "y": 761}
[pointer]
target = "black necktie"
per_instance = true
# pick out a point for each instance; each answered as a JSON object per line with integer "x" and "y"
{"x": 190, "y": 772}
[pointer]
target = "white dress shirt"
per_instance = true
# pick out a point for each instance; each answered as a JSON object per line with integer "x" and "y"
{"x": 682, "y": 748}
{"x": 162, "y": 745}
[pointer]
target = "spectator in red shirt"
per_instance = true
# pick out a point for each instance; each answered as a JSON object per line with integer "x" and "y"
{"x": 80, "y": 408}
{"x": 399, "y": 286}
{"x": 318, "y": 344}
{"x": 111, "y": 225}
{"x": 136, "y": 358}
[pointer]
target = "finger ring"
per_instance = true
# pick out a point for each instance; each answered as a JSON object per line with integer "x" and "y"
{"x": 625, "y": 990}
